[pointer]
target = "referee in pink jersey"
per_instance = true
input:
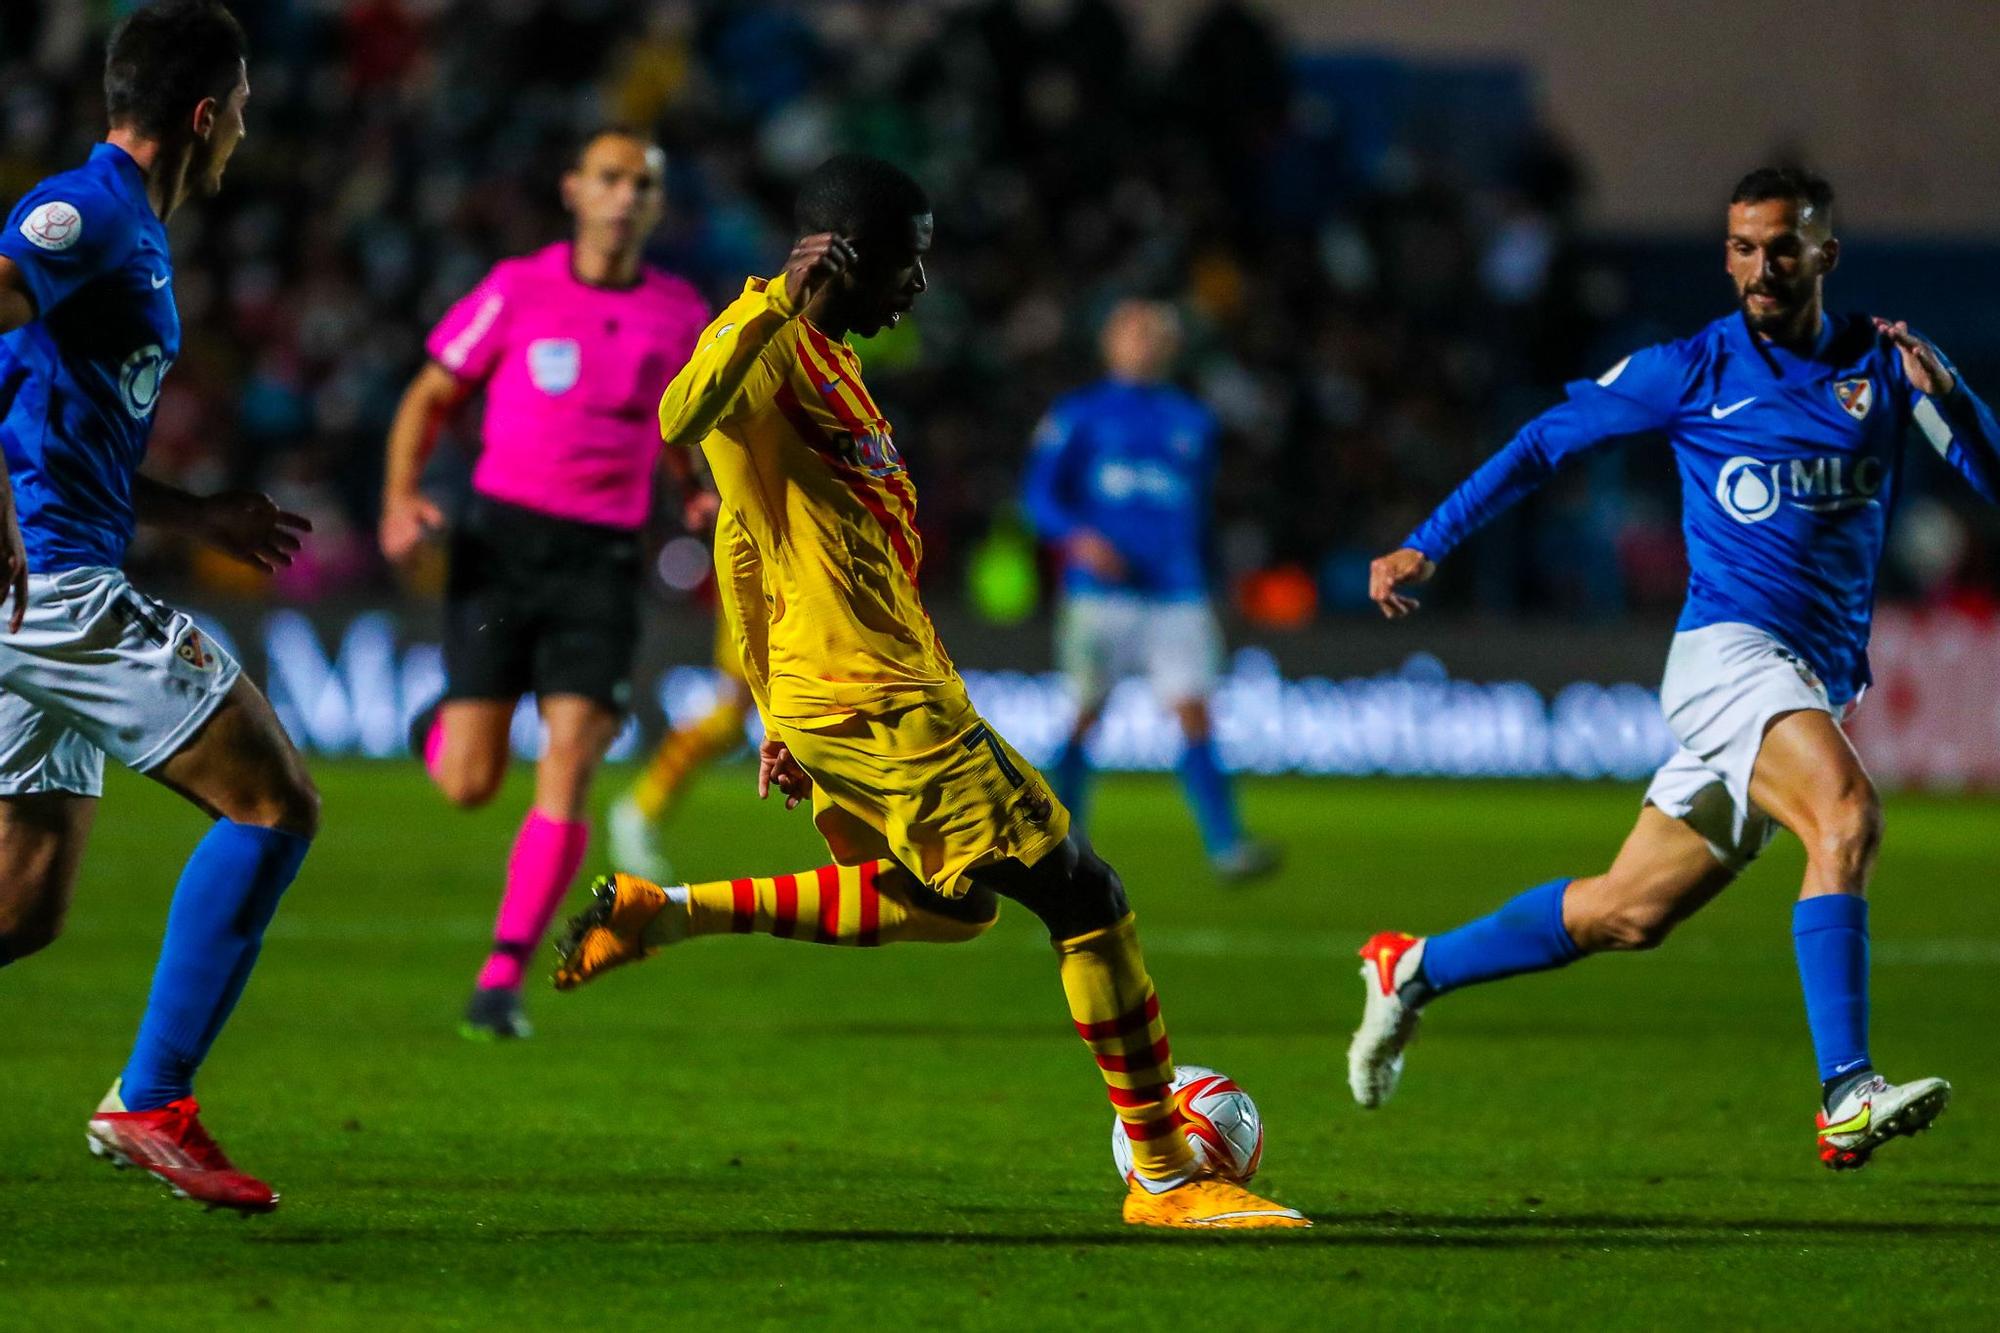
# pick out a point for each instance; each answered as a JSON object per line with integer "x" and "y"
{"x": 571, "y": 345}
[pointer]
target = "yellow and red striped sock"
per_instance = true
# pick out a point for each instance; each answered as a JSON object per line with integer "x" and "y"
{"x": 1118, "y": 1015}
{"x": 681, "y": 753}
{"x": 855, "y": 905}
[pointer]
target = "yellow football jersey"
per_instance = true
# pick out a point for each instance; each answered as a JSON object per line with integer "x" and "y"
{"x": 816, "y": 554}
{"x": 816, "y": 547}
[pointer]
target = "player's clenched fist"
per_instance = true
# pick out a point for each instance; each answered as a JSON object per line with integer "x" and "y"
{"x": 816, "y": 260}
{"x": 1402, "y": 568}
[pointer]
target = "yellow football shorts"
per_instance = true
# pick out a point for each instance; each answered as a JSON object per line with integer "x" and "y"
{"x": 926, "y": 783}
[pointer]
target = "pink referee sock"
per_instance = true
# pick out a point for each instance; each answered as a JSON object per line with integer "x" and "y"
{"x": 434, "y": 746}
{"x": 547, "y": 854}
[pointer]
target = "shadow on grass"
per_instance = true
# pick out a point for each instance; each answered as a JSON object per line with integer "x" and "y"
{"x": 1529, "y": 1232}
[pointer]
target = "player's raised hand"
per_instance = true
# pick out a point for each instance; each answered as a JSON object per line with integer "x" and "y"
{"x": 777, "y": 768}
{"x": 250, "y": 526}
{"x": 816, "y": 260}
{"x": 406, "y": 521}
{"x": 1403, "y": 568}
{"x": 13, "y": 565}
{"x": 1921, "y": 362}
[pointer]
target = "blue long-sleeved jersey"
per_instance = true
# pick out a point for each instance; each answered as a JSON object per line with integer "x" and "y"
{"x": 1789, "y": 467}
{"x": 1134, "y": 462}
{"x": 79, "y": 383}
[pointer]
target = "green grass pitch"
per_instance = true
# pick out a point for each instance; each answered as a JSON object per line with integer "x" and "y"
{"x": 746, "y": 1133}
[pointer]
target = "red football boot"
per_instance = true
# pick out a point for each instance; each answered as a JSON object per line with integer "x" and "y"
{"x": 170, "y": 1143}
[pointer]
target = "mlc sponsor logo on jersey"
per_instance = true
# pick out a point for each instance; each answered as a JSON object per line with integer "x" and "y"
{"x": 1857, "y": 396}
{"x": 554, "y": 364}
{"x": 54, "y": 226}
{"x": 1751, "y": 490}
{"x": 139, "y": 380}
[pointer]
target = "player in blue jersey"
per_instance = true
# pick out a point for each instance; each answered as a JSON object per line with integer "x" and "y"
{"x": 1788, "y": 425}
{"x": 1119, "y": 480}
{"x": 89, "y": 666}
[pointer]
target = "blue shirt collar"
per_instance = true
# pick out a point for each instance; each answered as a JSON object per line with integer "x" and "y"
{"x": 127, "y": 169}
{"x": 1777, "y": 358}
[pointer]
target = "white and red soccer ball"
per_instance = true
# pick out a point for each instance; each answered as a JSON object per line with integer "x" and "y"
{"x": 1221, "y": 1121}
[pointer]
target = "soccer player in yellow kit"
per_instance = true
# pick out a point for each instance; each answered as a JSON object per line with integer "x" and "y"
{"x": 928, "y": 812}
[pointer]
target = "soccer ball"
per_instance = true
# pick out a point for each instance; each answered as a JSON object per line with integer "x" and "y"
{"x": 1221, "y": 1121}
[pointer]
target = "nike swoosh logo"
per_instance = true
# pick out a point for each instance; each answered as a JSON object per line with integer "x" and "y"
{"x": 1850, "y": 1125}
{"x": 162, "y": 279}
{"x": 1719, "y": 411}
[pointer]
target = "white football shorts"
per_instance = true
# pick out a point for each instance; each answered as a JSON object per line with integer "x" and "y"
{"x": 1101, "y": 638}
{"x": 1724, "y": 686}
{"x": 99, "y": 668}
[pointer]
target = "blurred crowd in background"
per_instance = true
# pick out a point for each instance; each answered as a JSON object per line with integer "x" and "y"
{"x": 1380, "y": 263}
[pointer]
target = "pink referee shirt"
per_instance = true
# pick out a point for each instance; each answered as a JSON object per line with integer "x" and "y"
{"x": 573, "y": 377}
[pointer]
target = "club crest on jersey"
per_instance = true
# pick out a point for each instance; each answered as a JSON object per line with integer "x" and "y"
{"x": 554, "y": 364}
{"x": 1857, "y": 396}
{"x": 874, "y": 452}
{"x": 194, "y": 652}
{"x": 55, "y": 226}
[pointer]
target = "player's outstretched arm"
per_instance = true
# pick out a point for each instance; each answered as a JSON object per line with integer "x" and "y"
{"x": 1956, "y": 421}
{"x": 1640, "y": 394}
{"x": 248, "y": 525}
{"x": 726, "y": 371}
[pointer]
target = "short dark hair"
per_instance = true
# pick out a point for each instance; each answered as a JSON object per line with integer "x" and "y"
{"x": 588, "y": 139}
{"x": 855, "y": 194}
{"x": 1794, "y": 183}
{"x": 167, "y": 57}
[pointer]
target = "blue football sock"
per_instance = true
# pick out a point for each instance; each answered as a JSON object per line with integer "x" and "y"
{"x": 1209, "y": 796}
{"x": 1830, "y": 935}
{"x": 1525, "y": 935}
{"x": 1070, "y": 775}
{"x": 225, "y": 898}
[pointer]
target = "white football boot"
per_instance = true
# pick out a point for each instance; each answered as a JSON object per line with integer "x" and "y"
{"x": 1375, "y": 1056}
{"x": 1872, "y": 1113}
{"x": 635, "y": 842}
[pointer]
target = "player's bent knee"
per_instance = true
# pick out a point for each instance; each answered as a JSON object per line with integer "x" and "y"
{"x": 291, "y": 804}
{"x": 982, "y": 910}
{"x": 1072, "y": 890}
{"x": 29, "y": 933}
{"x": 1852, "y": 834}
{"x": 470, "y": 786}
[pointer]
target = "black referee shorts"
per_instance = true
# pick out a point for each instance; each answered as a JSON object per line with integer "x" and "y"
{"x": 542, "y": 605}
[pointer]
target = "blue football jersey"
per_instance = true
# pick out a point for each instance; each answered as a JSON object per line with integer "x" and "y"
{"x": 78, "y": 384}
{"x": 1135, "y": 463}
{"x": 1789, "y": 466}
